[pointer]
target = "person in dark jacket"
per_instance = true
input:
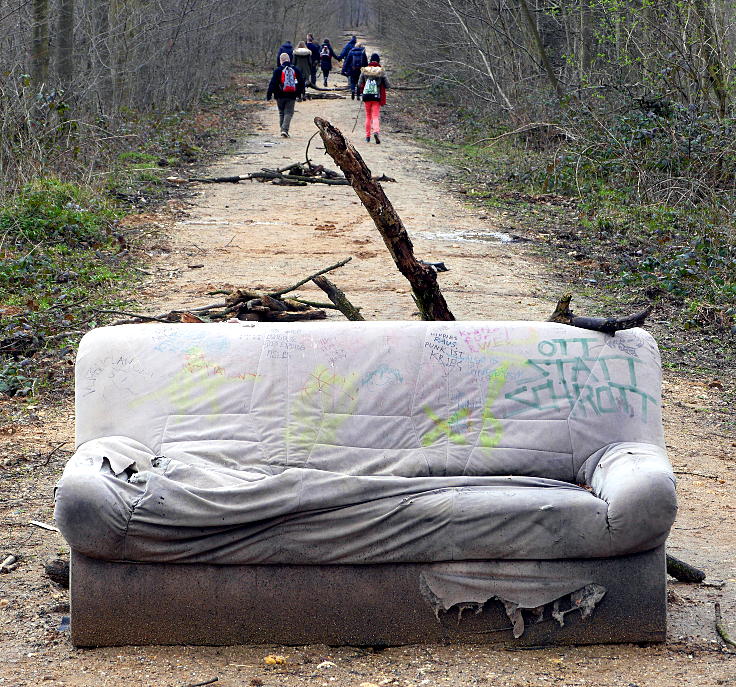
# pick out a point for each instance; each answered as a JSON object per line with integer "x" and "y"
{"x": 287, "y": 48}
{"x": 287, "y": 84}
{"x": 372, "y": 86}
{"x": 326, "y": 54}
{"x": 348, "y": 47}
{"x": 303, "y": 60}
{"x": 314, "y": 48}
{"x": 354, "y": 62}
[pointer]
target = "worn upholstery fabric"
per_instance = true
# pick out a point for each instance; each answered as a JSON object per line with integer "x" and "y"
{"x": 366, "y": 443}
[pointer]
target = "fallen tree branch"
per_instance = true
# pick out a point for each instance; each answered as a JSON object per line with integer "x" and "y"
{"x": 276, "y": 294}
{"x": 51, "y": 453}
{"x": 608, "y": 325}
{"x": 219, "y": 180}
{"x": 270, "y": 175}
{"x": 696, "y": 474}
{"x": 265, "y": 174}
{"x": 423, "y": 280}
{"x": 306, "y": 152}
{"x": 325, "y": 96}
{"x": 338, "y": 298}
{"x": 316, "y": 304}
{"x": 721, "y": 628}
{"x": 683, "y": 572}
{"x": 335, "y": 88}
{"x": 147, "y": 318}
{"x": 285, "y": 181}
{"x": 202, "y": 684}
{"x": 522, "y": 129}
{"x": 9, "y": 564}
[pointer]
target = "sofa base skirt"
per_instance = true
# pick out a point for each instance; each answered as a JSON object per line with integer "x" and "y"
{"x": 359, "y": 605}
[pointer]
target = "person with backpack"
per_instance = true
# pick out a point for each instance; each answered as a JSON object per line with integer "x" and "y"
{"x": 315, "y": 50}
{"x": 287, "y": 48}
{"x": 303, "y": 60}
{"x": 354, "y": 62}
{"x": 347, "y": 48}
{"x": 286, "y": 85}
{"x": 326, "y": 53}
{"x": 372, "y": 86}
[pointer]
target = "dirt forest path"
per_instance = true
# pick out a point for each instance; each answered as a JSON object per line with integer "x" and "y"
{"x": 252, "y": 235}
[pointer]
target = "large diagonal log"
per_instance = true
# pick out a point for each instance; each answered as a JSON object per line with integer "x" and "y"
{"x": 423, "y": 279}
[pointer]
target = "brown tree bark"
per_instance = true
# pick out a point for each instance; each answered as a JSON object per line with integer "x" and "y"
{"x": 65, "y": 43}
{"x": 609, "y": 325}
{"x": 40, "y": 43}
{"x": 101, "y": 18}
{"x": 338, "y": 298}
{"x": 423, "y": 279}
{"x": 544, "y": 58}
{"x": 710, "y": 52}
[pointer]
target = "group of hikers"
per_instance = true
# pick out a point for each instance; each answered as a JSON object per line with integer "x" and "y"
{"x": 297, "y": 67}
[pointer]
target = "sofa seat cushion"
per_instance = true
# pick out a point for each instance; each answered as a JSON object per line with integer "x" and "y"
{"x": 164, "y": 509}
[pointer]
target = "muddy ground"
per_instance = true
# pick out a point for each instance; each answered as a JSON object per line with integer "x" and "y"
{"x": 259, "y": 235}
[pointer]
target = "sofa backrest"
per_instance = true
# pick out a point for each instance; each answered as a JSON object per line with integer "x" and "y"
{"x": 402, "y": 398}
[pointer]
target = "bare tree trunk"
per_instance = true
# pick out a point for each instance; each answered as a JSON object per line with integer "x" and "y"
{"x": 40, "y": 46}
{"x": 65, "y": 43}
{"x": 544, "y": 58}
{"x": 102, "y": 53}
{"x": 710, "y": 52}
{"x": 586, "y": 38}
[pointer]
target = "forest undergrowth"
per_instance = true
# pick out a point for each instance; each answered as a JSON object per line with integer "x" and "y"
{"x": 633, "y": 208}
{"x": 66, "y": 264}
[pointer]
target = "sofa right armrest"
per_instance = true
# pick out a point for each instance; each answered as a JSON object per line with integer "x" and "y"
{"x": 637, "y": 483}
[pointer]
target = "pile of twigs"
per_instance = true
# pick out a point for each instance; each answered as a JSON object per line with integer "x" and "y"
{"x": 257, "y": 306}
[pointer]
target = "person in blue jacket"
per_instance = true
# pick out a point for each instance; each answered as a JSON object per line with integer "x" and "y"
{"x": 287, "y": 48}
{"x": 348, "y": 47}
{"x": 315, "y": 58}
{"x": 354, "y": 62}
{"x": 326, "y": 54}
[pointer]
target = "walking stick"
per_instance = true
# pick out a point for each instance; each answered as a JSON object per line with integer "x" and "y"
{"x": 355, "y": 123}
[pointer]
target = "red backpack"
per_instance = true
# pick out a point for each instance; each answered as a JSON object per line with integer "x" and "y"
{"x": 288, "y": 79}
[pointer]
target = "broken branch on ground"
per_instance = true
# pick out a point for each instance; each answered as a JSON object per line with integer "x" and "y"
{"x": 251, "y": 305}
{"x": 338, "y": 298}
{"x": 684, "y": 572}
{"x": 608, "y": 325}
{"x": 721, "y": 628}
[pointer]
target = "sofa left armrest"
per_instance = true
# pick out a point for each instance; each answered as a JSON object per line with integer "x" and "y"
{"x": 637, "y": 483}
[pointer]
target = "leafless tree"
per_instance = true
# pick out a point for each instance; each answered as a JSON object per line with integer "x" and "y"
{"x": 74, "y": 65}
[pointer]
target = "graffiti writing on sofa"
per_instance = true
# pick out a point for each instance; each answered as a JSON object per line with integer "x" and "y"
{"x": 568, "y": 374}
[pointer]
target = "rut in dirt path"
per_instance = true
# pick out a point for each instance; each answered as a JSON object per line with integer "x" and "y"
{"x": 253, "y": 235}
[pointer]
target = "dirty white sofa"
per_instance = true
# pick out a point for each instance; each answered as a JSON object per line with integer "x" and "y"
{"x": 369, "y": 483}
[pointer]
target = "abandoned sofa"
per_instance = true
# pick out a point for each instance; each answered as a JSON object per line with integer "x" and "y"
{"x": 367, "y": 483}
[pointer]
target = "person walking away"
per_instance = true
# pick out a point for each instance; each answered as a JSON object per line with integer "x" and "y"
{"x": 286, "y": 85}
{"x": 372, "y": 86}
{"x": 326, "y": 53}
{"x": 287, "y": 48}
{"x": 343, "y": 56}
{"x": 303, "y": 60}
{"x": 355, "y": 60}
{"x": 314, "y": 49}
{"x": 348, "y": 47}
